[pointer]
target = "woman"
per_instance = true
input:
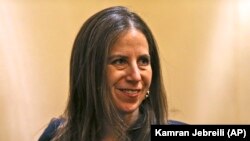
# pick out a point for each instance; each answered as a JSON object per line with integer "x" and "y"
{"x": 116, "y": 88}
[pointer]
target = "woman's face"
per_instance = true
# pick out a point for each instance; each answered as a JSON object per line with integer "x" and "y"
{"x": 129, "y": 72}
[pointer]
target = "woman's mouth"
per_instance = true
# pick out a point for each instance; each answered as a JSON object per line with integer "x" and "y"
{"x": 130, "y": 92}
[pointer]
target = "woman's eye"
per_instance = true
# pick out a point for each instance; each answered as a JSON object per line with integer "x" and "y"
{"x": 144, "y": 61}
{"x": 119, "y": 61}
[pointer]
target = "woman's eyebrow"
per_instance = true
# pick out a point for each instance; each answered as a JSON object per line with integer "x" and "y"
{"x": 124, "y": 56}
{"x": 116, "y": 56}
{"x": 145, "y": 55}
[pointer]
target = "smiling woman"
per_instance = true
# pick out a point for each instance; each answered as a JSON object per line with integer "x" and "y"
{"x": 116, "y": 88}
{"x": 129, "y": 73}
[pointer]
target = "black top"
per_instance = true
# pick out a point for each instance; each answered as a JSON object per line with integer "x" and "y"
{"x": 50, "y": 130}
{"x": 55, "y": 122}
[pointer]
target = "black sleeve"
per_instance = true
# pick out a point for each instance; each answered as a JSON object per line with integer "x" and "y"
{"x": 175, "y": 122}
{"x": 49, "y": 132}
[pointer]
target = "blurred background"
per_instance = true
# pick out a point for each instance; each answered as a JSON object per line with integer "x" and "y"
{"x": 204, "y": 46}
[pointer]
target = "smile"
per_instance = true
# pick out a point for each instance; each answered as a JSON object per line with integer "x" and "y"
{"x": 130, "y": 91}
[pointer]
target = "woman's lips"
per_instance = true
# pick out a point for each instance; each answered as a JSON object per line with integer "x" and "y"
{"x": 130, "y": 92}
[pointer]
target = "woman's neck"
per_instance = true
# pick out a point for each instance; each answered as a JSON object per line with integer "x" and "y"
{"x": 128, "y": 119}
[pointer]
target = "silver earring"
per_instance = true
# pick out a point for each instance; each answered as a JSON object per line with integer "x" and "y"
{"x": 147, "y": 94}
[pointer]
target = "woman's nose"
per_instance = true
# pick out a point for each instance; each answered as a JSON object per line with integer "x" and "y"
{"x": 133, "y": 73}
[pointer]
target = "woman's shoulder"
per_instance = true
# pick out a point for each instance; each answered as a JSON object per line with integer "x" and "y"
{"x": 176, "y": 122}
{"x": 50, "y": 130}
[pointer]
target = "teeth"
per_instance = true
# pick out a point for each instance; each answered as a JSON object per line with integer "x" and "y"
{"x": 130, "y": 91}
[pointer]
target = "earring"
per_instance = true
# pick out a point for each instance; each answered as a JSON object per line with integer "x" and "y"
{"x": 147, "y": 94}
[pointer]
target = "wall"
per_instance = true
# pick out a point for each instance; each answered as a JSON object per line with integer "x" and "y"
{"x": 204, "y": 47}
